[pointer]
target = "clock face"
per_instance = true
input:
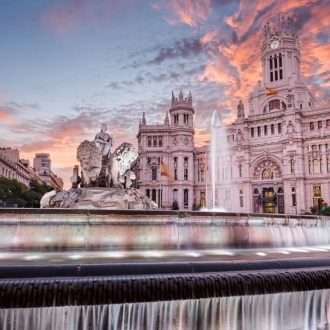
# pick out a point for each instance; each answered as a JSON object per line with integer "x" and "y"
{"x": 274, "y": 44}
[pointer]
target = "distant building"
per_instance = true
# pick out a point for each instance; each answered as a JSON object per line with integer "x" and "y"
{"x": 12, "y": 167}
{"x": 279, "y": 154}
{"x": 42, "y": 164}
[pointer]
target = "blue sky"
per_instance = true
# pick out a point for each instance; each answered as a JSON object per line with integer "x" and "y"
{"x": 67, "y": 66}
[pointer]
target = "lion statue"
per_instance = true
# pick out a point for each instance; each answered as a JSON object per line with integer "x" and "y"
{"x": 120, "y": 162}
{"x": 90, "y": 159}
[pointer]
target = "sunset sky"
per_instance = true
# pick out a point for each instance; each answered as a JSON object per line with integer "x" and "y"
{"x": 66, "y": 66}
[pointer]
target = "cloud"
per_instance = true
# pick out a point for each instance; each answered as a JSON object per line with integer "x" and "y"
{"x": 70, "y": 15}
{"x": 188, "y": 12}
{"x": 185, "y": 48}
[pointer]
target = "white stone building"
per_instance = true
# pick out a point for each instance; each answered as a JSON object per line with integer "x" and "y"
{"x": 279, "y": 154}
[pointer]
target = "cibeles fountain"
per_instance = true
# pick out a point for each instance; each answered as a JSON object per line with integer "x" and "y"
{"x": 105, "y": 180}
{"x": 80, "y": 262}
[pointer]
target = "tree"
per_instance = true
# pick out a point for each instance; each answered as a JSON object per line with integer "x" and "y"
{"x": 195, "y": 206}
{"x": 175, "y": 205}
{"x": 15, "y": 194}
{"x": 12, "y": 192}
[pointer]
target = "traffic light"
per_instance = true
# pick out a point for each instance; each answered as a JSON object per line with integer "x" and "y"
{"x": 321, "y": 204}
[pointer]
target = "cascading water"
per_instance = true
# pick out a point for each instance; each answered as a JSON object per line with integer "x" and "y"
{"x": 220, "y": 165}
{"x": 298, "y": 310}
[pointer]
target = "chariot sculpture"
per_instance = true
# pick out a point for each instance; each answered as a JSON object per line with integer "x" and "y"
{"x": 105, "y": 180}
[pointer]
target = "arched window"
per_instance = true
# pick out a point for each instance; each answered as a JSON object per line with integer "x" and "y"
{"x": 148, "y": 193}
{"x": 175, "y": 194}
{"x": 149, "y": 141}
{"x": 311, "y": 126}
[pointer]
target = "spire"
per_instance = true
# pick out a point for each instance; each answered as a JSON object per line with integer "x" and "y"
{"x": 190, "y": 98}
{"x": 180, "y": 95}
{"x": 144, "y": 121}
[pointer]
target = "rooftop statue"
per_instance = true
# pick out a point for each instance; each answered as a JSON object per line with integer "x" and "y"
{"x": 105, "y": 180}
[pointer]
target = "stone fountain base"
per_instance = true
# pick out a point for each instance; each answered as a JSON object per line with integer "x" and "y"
{"x": 98, "y": 198}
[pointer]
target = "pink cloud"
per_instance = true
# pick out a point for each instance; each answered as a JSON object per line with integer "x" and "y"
{"x": 184, "y": 12}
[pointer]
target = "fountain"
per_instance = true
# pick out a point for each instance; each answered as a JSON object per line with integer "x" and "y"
{"x": 219, "y": 165}
{"x": 72, "y": 265}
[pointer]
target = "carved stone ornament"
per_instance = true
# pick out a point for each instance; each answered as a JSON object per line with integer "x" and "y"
{"x": 264, "y": 168}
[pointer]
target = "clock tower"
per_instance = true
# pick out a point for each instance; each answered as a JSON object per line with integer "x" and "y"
{"x": 282, "y": 86}
{"x": 280, "y": 55}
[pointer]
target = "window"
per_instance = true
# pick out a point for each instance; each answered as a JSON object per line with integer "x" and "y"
{"x": 153, "y": 197}
{"x": 175, "y": 194}
{"x": 185, "y": 174}
{"x": 155, "y": 141}
{"x": 176, "y": 118}
{"x": 265, "y": 130}
{"x": 149, "y": 141}
{"x": 252, "y": 132}
{"x": 311, "y": 126}
{"x": 160, "y": 141}
{"x": 185, "y": 118}
{"x": 279, "y": 128}
{"x": 272, "y": 129}
{"x": 149, "y": 160}
{"x": 328, "y": 165}
{"x": 202, "y": 175}
{"x": 175, "y": 174}
{"x": 154, "y": 174}
{"x": 259, "y": 131}
{"x": 240, "y": 170}
{"x": 148, "y": 193}
{"x": 319, "y": 124}
{"x": 185, "y": 198}
{"x": 292, "y": 166}
{"x": 241, "y": 201}
{"x": 275, "y": 104}
{"x": 275, "y": 67}
{"x": 328, "y": 123}
{"x": 294, "y": 200}
{"x": 316, "y": 167}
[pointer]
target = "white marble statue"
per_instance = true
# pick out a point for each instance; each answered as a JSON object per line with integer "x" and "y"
{"x": 90, "y": 159}
{"x": 120, "y": 162}
{"x": 104, "y": 141}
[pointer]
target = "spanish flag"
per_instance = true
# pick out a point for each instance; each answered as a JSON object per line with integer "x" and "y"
{"x": 271, "y": 91}
{"x": 164, "y": 170}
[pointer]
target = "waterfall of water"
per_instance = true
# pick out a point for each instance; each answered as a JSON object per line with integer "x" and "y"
{"x": 297, "y": 310}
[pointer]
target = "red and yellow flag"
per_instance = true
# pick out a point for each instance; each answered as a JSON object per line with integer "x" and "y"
{"x": 164, "y": 170}
{"x": 271, "y": 91}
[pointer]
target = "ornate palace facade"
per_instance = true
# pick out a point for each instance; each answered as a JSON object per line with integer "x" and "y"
{"x": 279, "y": 154}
